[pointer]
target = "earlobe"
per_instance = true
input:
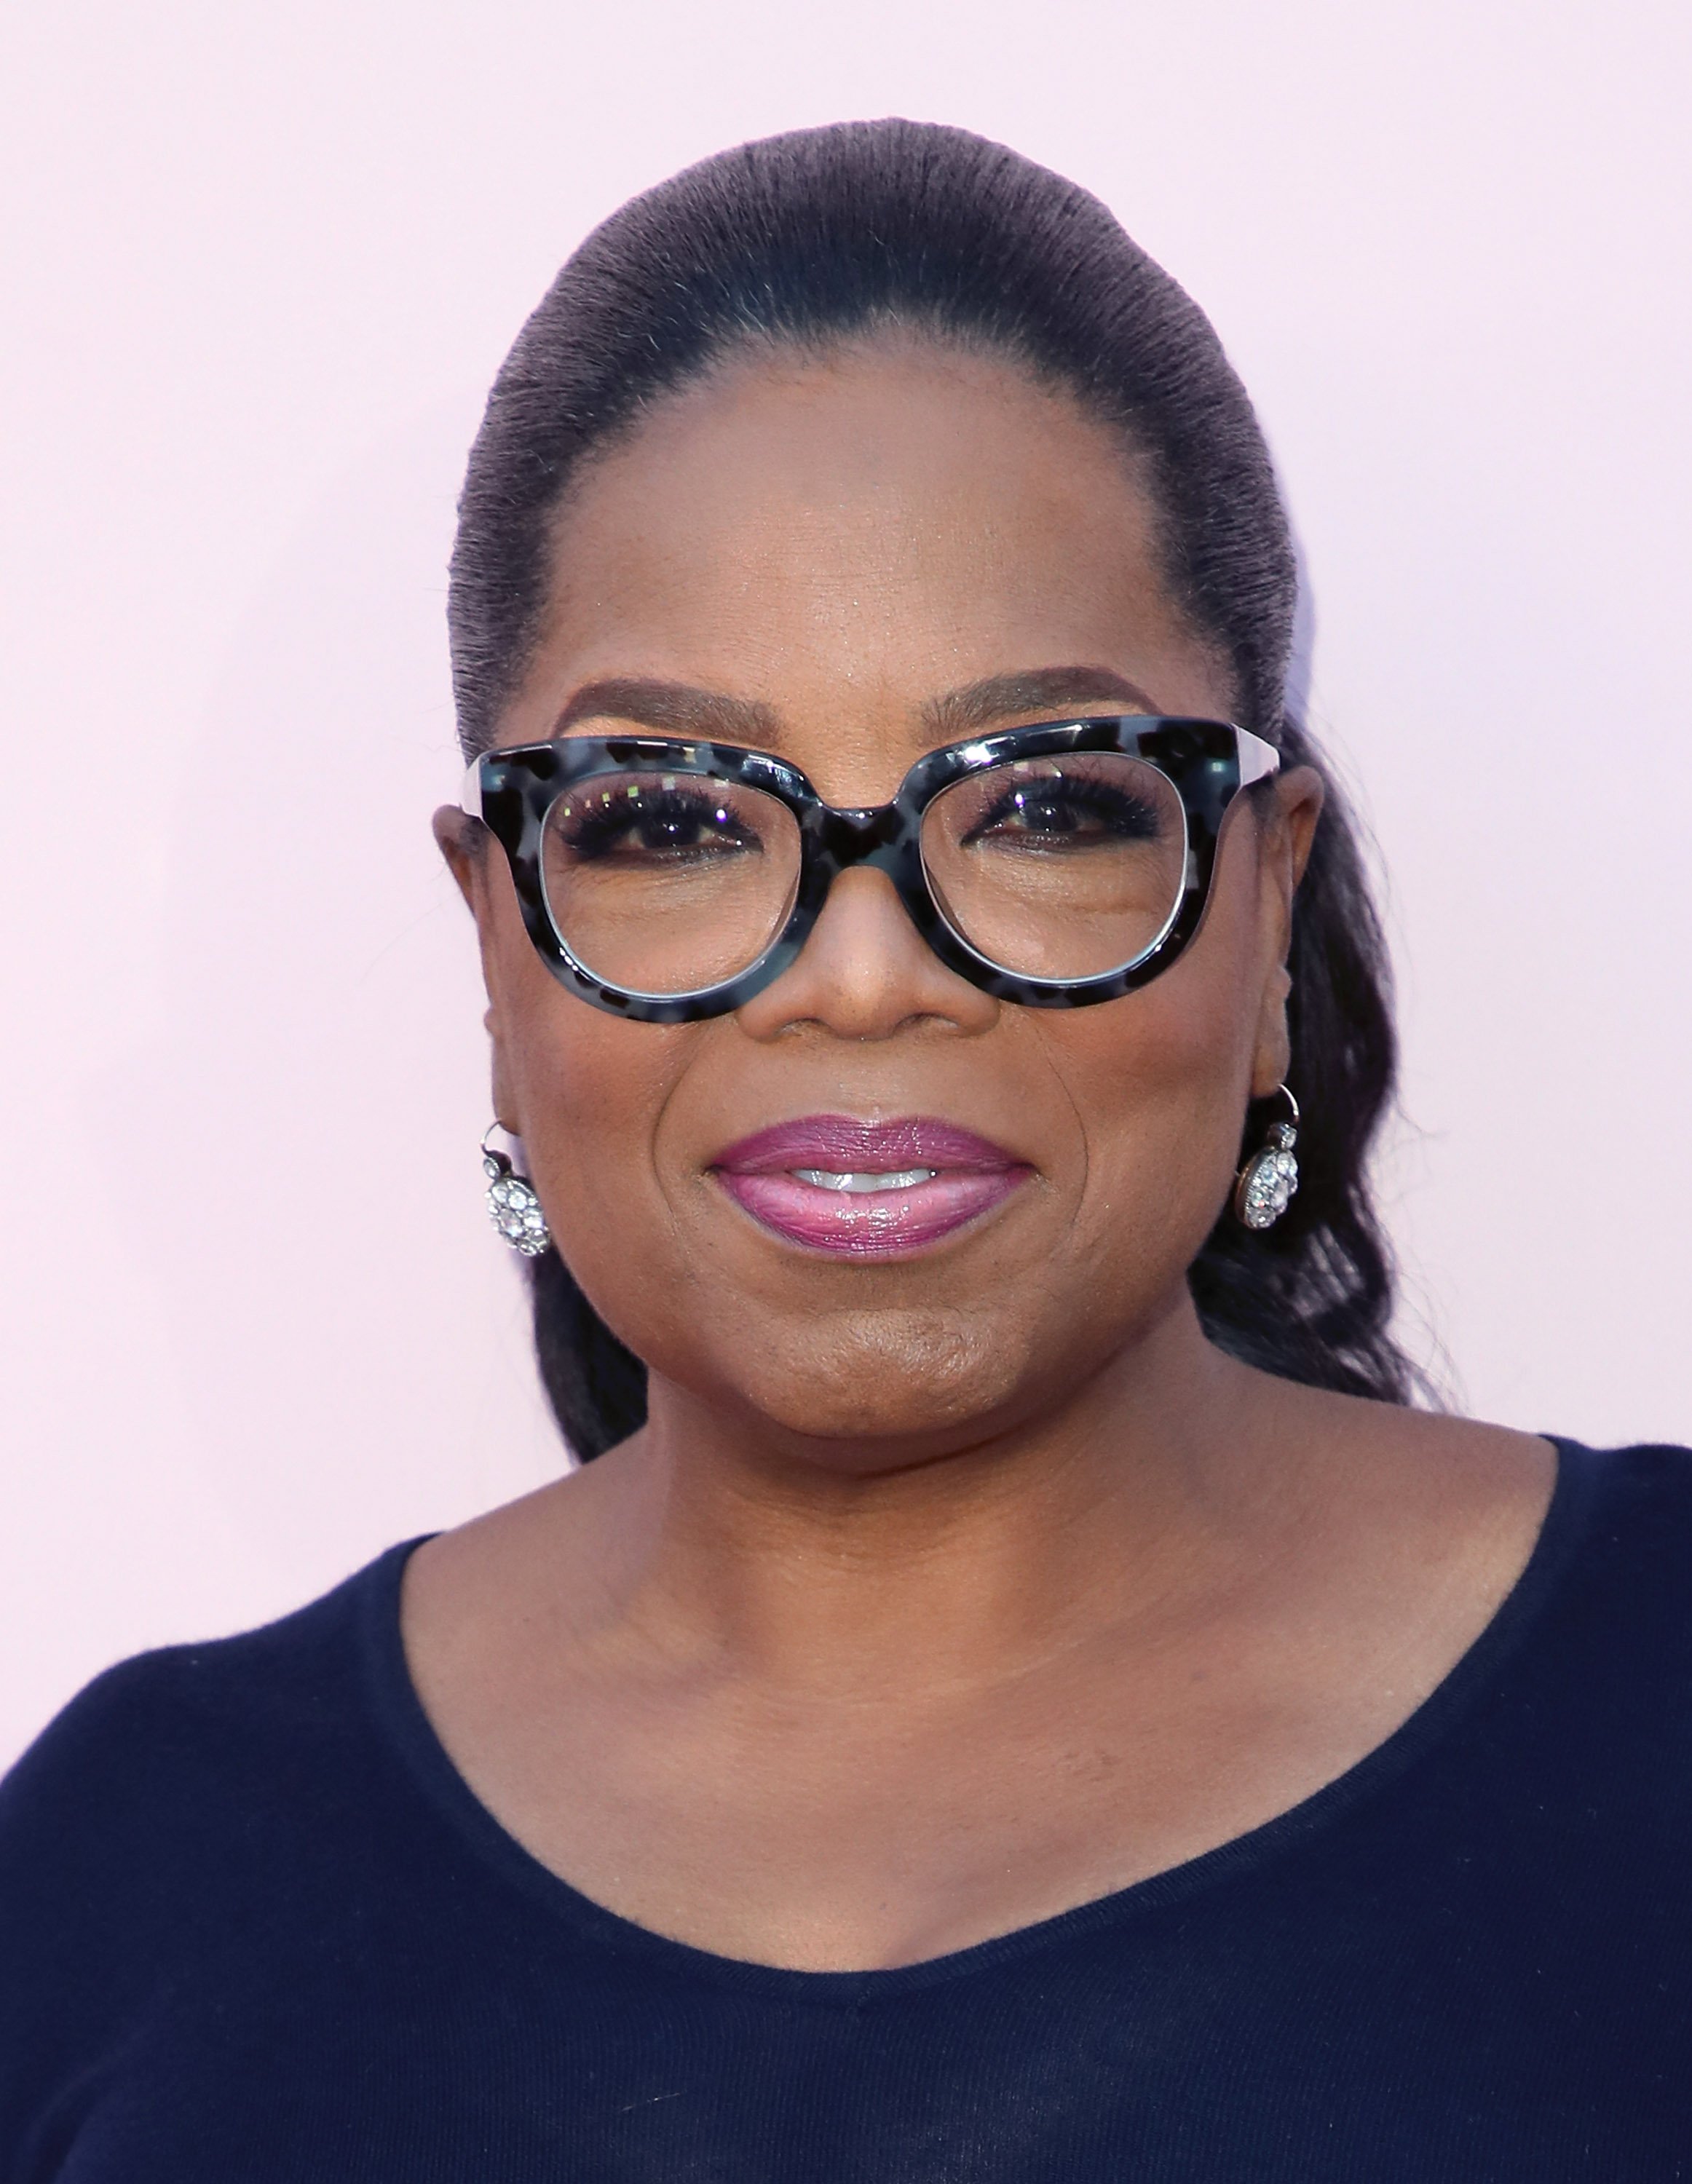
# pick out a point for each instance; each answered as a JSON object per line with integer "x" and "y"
{"x": 505, "y": 1107}
{"x": 1274, "y": 1049}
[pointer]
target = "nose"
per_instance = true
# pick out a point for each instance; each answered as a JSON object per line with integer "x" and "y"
{"x": 866, "y": 972}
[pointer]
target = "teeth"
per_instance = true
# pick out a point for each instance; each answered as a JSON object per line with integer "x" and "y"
{"x": 897, "y": 1178}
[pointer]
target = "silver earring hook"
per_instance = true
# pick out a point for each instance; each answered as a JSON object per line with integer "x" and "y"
{"x": 1265, "y": 1186}
{"x": 512, "y": 1206}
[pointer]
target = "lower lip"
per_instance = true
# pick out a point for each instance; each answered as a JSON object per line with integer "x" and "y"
{"x": 871, "y": 1225}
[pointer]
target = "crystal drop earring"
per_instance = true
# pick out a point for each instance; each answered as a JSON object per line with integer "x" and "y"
{"x": 512, "y": 1205}
{"x": 1266, "y": 1183}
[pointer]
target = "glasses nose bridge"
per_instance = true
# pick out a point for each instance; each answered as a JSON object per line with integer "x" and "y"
{"x": 867, "y": 834}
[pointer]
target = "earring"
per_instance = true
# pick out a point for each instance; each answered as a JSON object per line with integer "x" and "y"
{"x": 1266, "y": 1183}
{"x": 512, "y": 1205}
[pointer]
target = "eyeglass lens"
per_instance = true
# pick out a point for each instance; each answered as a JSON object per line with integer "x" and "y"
{"x": 1064, "y": 867}
{"x": 667, "y": 882}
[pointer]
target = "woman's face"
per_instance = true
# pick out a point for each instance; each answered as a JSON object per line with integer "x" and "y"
{"x": 852, "y": 560}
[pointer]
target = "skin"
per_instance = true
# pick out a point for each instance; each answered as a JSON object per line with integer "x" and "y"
{"x": 938, "y": 1595}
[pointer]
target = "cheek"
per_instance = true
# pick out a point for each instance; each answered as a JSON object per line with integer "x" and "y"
{"x": 1158, "y": 1081}
{"x": 589, "y": 1092}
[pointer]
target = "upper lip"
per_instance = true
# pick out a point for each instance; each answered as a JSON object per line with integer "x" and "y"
{"x": 843, "y": 1145}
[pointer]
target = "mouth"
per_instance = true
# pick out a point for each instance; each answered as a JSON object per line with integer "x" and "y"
{"x": 867, "y": 1190}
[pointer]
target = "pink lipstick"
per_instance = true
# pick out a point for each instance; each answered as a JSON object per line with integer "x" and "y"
{"x": 867, "y": 1190}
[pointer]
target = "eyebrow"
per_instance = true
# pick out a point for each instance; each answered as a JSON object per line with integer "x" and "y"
{"x": 673, "y": 709}
{"x": 1034, "y": 690}
{"x": 679, "y": 709}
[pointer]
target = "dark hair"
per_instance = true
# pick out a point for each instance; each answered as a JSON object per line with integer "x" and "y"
{"x": 830, "y": 233}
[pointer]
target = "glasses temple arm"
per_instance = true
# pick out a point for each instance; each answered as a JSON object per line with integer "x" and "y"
{"x": 1258, "y": 759}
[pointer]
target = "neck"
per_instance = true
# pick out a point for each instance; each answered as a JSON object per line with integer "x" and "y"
{"x": 820, "y": 1563}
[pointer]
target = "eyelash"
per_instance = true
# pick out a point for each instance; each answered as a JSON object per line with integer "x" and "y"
{"x": 1123, "y": 814}
{"x": 596, "y": 831}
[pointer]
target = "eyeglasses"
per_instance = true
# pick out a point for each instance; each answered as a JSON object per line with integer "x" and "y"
{"x": 1052, "y": 866}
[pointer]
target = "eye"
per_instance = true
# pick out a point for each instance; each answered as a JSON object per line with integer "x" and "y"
{"x": 659, "y": 818}
{"x": 1071, "y": 809}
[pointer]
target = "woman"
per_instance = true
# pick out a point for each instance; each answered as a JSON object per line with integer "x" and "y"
{"x": 1016, "y": 1692}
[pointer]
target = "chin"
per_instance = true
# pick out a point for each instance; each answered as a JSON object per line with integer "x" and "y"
{"x": 891, "y": 1378}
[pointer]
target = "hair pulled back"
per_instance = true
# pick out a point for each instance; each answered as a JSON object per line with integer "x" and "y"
{"x": 833, "y": 233}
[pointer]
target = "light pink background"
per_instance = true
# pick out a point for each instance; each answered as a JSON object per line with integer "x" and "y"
{"x": 259, "y": 265}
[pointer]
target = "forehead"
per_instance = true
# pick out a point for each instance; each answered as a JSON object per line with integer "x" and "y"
{"x": 840, "y": 540}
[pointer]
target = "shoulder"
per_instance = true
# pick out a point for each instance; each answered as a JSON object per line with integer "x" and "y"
{"x": 1646, "y": 1478}
{"x": 1590, "y": 1664}
{"x": 206, "y": 1707}
{"x": 1613, "y": 1526}
{"x": 129, "y": 1815}
{"x": 1611, "y": 1565}
{"x": 1576, "y": 1562}
{"x": 191, "y": 1817}
{"x": 1621, "y": 1526}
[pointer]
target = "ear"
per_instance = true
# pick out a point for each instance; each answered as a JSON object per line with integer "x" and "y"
{"x": 1287, "y": 833}
{"x": 460, "y": 841}
{"x": 464, "y": 844}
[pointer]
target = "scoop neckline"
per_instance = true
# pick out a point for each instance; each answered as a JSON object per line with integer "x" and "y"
{"x": 400, "y": 1716}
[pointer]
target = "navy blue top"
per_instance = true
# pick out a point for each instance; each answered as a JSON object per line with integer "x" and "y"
{"x": 254, "y": 1926}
